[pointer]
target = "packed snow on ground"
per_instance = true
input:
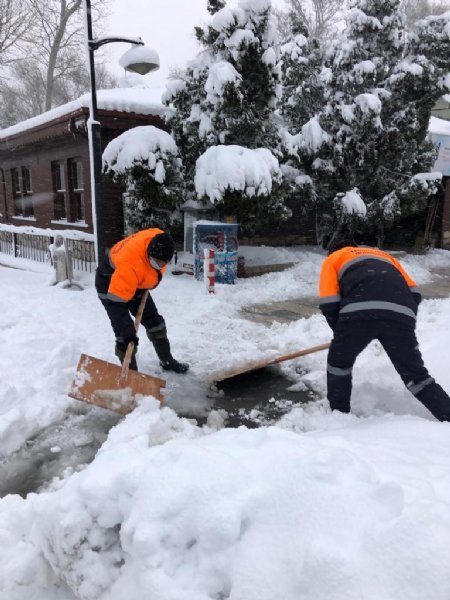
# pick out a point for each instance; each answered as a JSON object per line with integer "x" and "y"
{"x": 318, "y": 506}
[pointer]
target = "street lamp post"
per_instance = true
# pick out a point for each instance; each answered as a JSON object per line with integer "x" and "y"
{"x": 142, "y": 64}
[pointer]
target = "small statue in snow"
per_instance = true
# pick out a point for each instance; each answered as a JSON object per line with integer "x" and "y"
{"x": 62, "y": 263}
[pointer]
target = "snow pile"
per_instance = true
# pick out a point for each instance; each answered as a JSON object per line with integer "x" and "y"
{"x": 317, "y": 508}
{"x": 320, "y": 505}
{"x": 368, "y": 103}
{"x": 140, "y": 54}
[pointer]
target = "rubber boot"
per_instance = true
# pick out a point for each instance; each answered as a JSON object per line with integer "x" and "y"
{"x": 339, "y": 388}
{"x": 166, "y": 360}
{"x": 436, "y": 400}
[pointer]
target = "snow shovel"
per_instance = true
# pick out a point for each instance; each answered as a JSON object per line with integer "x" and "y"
{"x": 266, "y": 363}
{"x": 111, "y": 386}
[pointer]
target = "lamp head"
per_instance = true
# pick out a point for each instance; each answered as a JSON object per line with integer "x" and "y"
{"x": 140, "y": 59}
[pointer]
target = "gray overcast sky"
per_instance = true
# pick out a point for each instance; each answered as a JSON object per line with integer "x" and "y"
{"x": 165, "y": 25}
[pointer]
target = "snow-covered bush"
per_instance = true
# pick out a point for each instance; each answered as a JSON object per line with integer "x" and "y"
{"x": 146, "y": 159}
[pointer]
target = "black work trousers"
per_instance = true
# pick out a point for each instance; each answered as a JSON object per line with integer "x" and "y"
{"x": 119, "y": 312}
{"x": 399, "y": 340}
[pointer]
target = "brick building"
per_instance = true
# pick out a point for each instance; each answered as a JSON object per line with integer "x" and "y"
{"x": 45, "y": 167}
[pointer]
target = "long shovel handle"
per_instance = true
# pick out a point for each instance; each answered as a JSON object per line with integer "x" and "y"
{"x": 299, "y": 353}
{"x": 266, "y": 363}
{"x": 130, "y": 348}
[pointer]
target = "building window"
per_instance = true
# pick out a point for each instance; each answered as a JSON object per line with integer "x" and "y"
{"x": 22, "y": 192}
{"x": 77, "y": 190}
{"x": 16, "y": 182}
{"x": 59, "y": 190}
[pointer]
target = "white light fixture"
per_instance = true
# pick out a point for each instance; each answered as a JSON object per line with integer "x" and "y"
{"x": 140, "y": 59}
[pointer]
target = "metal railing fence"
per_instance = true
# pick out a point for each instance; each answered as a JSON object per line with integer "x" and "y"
{"x": 36, "y": 247}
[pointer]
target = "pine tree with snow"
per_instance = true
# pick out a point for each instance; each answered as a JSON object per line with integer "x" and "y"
{"x": 189, "y": 125}
{"x": 421, "y": 78}
{"x": 230, "y": 91}
{"x": 242, "y": 74}
{"x": 369, "y": 135}
{"x": 146, "y": 160}
{"x": 350, "y": 159}
{"x": 303, "y": 86}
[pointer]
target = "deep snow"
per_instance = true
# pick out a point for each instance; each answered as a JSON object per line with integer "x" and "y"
{"x": 318, "y": 506}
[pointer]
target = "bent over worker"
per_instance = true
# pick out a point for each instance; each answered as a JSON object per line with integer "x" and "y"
{"x": 366, "y": 294}
{"x": 133, "y": 265}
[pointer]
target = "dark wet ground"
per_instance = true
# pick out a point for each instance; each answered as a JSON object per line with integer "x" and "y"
{"x": 55, "y": 451}
{"x": 257, "y": 398}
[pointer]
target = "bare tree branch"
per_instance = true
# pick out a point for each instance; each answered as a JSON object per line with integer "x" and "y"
{"x": 318, "y": 17}
{"x": 418, "y": 9}
{"x": 59, "y": 33}
{"x": 15, "y": 19}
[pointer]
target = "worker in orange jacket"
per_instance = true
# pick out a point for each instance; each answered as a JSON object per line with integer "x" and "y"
{"x": 133, "y": 265}
{"x": 366, "y": 294}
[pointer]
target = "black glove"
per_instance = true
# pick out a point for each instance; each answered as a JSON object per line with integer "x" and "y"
{"x": 417, "y": 297}
{"x": 122, "y": 342}
{"x": 174, "y": 365}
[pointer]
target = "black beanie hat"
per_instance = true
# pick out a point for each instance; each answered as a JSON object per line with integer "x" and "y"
{"x": 341, "y": 240}
{"x": 161, "y": 247}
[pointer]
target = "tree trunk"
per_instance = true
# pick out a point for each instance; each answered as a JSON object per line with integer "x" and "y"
{"x": 65, "y": 15}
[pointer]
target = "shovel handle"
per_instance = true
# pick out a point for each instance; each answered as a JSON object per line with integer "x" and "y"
{"x": 266, "y": 363}
{"x": 299, "y": 353}
{"x": 130, "y": 348}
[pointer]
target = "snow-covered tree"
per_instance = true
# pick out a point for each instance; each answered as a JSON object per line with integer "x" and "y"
{"x": 184, "y": 98}
{"x": 303, "y": 85}
{"x": 42, "y": 45}
{"x": 372, "y": 135}
{"x": 302, "y": 98}
{"x": 146, "y": 160}
{"x": 229, "y": 92}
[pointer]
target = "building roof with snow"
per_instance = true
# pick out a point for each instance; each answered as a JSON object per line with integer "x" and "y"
{"x": 45, "y": 161}
{"x": 140, "y": 100}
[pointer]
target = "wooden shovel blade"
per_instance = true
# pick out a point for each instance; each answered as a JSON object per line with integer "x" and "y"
{"x": 99, "y": 382}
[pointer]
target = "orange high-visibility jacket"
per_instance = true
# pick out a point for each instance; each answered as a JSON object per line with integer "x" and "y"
{"x": 366, "y": 283}
{"x": 334, "y": 266}
{"x": 132, "y": 268}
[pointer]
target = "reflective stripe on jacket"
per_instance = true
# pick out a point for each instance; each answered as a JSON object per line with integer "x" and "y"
{"x": 366, "y": 283}
{"x": 132, "y": 269}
